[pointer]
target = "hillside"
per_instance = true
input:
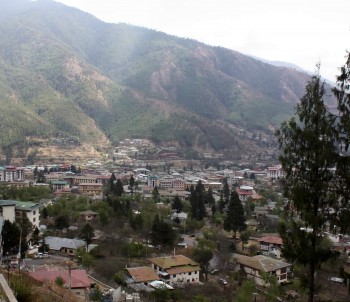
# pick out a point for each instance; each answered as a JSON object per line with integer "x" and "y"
{"x": 65, "y": 74}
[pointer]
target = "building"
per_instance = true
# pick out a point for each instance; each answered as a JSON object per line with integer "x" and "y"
{"x": 271, "y": 245}
{"x": 12, "y": 209}
{"x": 59, "y": 184}
{"x": 65, "y": 246}
{"x": 141, "y": 274}
{"x": 11, "y": 173}
{"x": 254, "y": 266}
{"x": 77, "y": 280}
{"x": 176, "y": 269}
{"x": 275, "y": 172}
{"x": 91, "y": 189}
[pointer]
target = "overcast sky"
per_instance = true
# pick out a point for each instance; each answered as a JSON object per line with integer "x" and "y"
{"x": 302, "y": 32}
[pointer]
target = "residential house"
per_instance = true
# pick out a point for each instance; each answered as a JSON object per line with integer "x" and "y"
{"x": 141, "y": 274}
{"x": 254, "y": 266}
{"x": 260, "y": 211}
{"x": 76, "y": 279}
{"x": 271, "y": 245}
{"x": 65, "y": 246}
{"x": 176, "y": 269}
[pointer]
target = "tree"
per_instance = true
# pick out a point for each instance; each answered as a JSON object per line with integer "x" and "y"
{"x": 118, "y": 189}
{"x": 62, "y": 222}
{"x": 132, "y": 184}
{"x": 112, "y": 180}
{"x": 197, "y": 201}
{"x": 235, "y": 219}
{"x": 309, "y": 155}
{"x": 155, "y": 194}
{"x": 10, "y": 238}
{"x": 162, "y": 233}
{"x": 177, "y": 205}
{"x": 203, "y": 257}
{"x": 226, "y": 190}
{"x": 35, "y": 235}
{"x": 45, "y": 213}
{"x": 87, "y": 233}
{"x": 245, "y": 235}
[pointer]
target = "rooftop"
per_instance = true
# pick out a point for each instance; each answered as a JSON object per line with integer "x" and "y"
{"x": 142, "y": 273}
{"x": 173, "y": 261}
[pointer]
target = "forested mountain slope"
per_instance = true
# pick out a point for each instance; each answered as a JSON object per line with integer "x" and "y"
{"x": 66, "y": 74}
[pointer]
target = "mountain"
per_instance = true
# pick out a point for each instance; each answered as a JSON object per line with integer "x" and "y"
{"x": 67, "y": 78}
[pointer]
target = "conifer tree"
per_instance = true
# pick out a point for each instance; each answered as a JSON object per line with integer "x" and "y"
{"x": 235, "y": 219}
{"x": 308, "y": 145}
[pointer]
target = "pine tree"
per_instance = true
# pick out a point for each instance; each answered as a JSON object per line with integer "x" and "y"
{"x": 87, "y": 233}
{"x": 118, "y": 189}
{"x": 309, "y": 155}
{"x": 112, "y": 182}
{"x": 132, "y": 184}
{"x": 177, "y": 205}
{"x": 235, "y": 219}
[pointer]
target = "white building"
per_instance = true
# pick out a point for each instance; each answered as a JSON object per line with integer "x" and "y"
{"x": 11, "y": 173}
{"x": 254, "y": 266}
{"x": 12, "y": 209}
{"x": 176, "y": 269}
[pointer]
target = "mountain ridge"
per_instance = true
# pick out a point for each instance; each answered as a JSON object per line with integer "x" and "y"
{"x": 68, "y": 74}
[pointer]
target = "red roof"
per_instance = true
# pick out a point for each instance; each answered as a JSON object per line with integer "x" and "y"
{"x": 79, "y": 278}
{"x": 271, "y": 239}
{"x": 244, "y": 192}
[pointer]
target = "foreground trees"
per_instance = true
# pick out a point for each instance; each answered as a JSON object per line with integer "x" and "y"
{"x": 310, "y": 158}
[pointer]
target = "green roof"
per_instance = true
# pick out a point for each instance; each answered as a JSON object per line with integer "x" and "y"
{"x": 20, "y": 205}
{"x": 59, "y": 182}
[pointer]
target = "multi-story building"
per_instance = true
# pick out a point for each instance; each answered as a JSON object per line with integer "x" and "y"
{"x": 271, "y": 245}
{"x": 11, "y": 173}
{"x": 176, "y": 269}
{"x": 12, "y": 209}
{"x": 91, "y": 188}
{"x": 275, "y": 172}
{"x": 253, "y": 267}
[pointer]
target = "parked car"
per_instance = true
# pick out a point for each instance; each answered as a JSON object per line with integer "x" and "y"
{"x": 214, "y": 271}
{"x": 223, "y": 281}
{"x": 183, "y": 244}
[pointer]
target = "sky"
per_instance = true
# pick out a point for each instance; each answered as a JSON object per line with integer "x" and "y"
{"x": 301, "y": 32}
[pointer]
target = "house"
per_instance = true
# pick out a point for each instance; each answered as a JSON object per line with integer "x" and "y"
{"x": 88, "y": 215}
{"x": 141, "y": 274}
{"x": 64, "y": 245}
{"x": 271, "y": 245}
{"x": 77, "y": 280}
{"x": 254, "y": 266}
{"x": 260, "y": 211}
{"x": 176, "y": 269}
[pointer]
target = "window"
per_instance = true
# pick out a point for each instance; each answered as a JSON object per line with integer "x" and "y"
{"x": 174, "y": 276}
{"x": 190, "y": 273}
